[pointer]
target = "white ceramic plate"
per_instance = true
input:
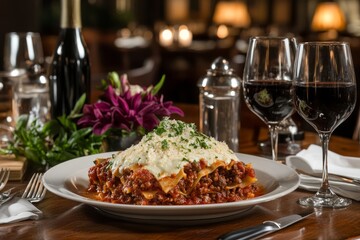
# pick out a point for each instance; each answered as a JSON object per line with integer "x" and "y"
{"x": 69, "y": 179}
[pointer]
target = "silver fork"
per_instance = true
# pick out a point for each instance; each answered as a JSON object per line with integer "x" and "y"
{"x": 6, "y": 193}
{"x": 35, "y": 190}
{"x": 7, "y": 196}
{"x": 4, "y": 177}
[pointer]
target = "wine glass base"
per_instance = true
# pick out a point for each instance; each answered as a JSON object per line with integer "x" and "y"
{"x": 284, "y": 149}
{"x": 329, "y": 202}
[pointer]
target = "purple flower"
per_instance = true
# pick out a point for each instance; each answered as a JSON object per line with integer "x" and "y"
{"x": 127, "y": 110}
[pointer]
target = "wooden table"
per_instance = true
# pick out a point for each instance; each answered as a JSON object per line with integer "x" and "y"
{"x": 65, "y": 219}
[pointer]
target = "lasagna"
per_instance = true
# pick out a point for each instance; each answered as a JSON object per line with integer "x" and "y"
{"x": 173, "y": 165}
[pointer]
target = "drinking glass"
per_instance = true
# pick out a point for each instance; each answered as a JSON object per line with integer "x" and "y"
{"x": 267, "y": 82}
{"x": 324, "y": 95}
{"x": 23, "y": 50}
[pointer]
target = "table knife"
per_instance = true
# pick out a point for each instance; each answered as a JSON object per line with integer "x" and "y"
{"x": 266, "y": 227}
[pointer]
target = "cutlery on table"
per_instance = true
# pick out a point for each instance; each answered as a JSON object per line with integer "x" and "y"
{"x": 4, "y": 177}
{"x": 266, "y": 227}
{"x": 332, "y": 177}
{"x": 7, "y": 196}
{"x": 6, "y": 193}
{"x": 35, "y": 190}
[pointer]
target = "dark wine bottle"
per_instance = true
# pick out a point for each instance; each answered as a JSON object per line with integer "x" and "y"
{"x": 69, "y": 75}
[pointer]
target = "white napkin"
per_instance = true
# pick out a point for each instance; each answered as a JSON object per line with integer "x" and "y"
{"x": 18, "y": 209}
{"x": 310, "y": 160}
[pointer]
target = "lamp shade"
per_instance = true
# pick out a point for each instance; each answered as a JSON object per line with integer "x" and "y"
{"x": 328, "y": 16}
{"x": 232, "y": 13}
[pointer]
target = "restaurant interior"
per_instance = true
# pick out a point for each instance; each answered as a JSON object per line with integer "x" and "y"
{"x": 89, "y": 192}
{"x": 181, "y": 38}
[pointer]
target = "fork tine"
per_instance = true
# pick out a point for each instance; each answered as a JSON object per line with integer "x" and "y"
{"x": 39, "y": 187}
{"x": 36, "y": 186}
{"x": 4, "y": 177}
{"x": 1, "y": 174}
{"x": 29, "y": 188}
{"x": 40, "y": 193}
{"x": 35, "y": 190}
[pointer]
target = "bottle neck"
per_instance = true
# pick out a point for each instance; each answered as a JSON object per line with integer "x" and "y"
{"x": 70, "y": 14}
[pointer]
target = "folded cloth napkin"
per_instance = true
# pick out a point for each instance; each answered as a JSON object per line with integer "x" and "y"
{"x": 18, "y": 209}
{"x": 310, "y": 160}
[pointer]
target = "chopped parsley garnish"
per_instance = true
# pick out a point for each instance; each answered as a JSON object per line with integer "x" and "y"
{"x": 179, "y": 128}
{"x": 164, "y": 144}
{"x": 170, "y": 129}
{"x": 193, "y": 145}
{"x": 160, "y": 130}
{"x": 202, "y": 143}
{"x": 110, "y": 163}
{"x": 185, "y": 159}
{"x": 149, "y": 137}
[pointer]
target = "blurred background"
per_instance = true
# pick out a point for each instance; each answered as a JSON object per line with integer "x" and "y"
{"x": 180, "y": 38}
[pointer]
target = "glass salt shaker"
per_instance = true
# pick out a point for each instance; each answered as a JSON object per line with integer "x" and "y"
{"x": 219, "y": 101}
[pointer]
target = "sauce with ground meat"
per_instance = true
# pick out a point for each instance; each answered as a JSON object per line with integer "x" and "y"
{"x": 212, "y": 188}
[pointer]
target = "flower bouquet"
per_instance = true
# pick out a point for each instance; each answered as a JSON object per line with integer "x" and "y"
{"x": 126, "y": 112}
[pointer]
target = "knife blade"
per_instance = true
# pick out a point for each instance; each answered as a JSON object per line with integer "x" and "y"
{"x": 266, "y": 227}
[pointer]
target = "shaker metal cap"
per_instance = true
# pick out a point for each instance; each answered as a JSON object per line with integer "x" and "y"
{"x": 220, "y": 74}
{"x": 221, "y": 65}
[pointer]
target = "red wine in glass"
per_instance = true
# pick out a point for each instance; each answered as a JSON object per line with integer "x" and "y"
{"x": 270, "y": 100}
{"x": 325, "y": 105}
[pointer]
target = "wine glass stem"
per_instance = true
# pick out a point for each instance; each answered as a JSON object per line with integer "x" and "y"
{"x": 324, "y": 139}
{"x": 274, "y": 141}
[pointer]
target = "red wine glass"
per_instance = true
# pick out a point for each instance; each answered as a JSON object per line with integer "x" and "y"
{"x": 267, "y": 82}
{"x": 324, "y": 95}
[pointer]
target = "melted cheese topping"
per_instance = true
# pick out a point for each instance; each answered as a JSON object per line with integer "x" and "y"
{"x": 166, "y": 150}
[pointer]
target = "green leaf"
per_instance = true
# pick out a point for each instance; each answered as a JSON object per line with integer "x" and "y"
{"x": 76, "y": 112}
{"x": 103, "y": 85}
{"x": 59, "y": 140}
{"x": 22, "y": 121}
{"x": 51, "y": 127}
{"x": 114, "y": 80}
{"x": 158, "y": 86}
{"x": 77, "y": 136}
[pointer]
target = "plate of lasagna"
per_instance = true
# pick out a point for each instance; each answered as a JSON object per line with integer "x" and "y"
{"x": 174, "y": 174}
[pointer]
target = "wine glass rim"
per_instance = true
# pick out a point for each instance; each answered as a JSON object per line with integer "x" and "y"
{"x": 21, "y": 34}
{"x": 324, "y": 43}
{"x": 271, "y": 37}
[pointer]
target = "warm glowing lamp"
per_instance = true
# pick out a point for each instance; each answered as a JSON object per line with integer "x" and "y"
{"x": 222, "y": 31}
{"x": 232, "y": 13}
{"x": 184, "y": 36}
{"x": 166, "y": 37}
{"x": 328, "y": 16}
